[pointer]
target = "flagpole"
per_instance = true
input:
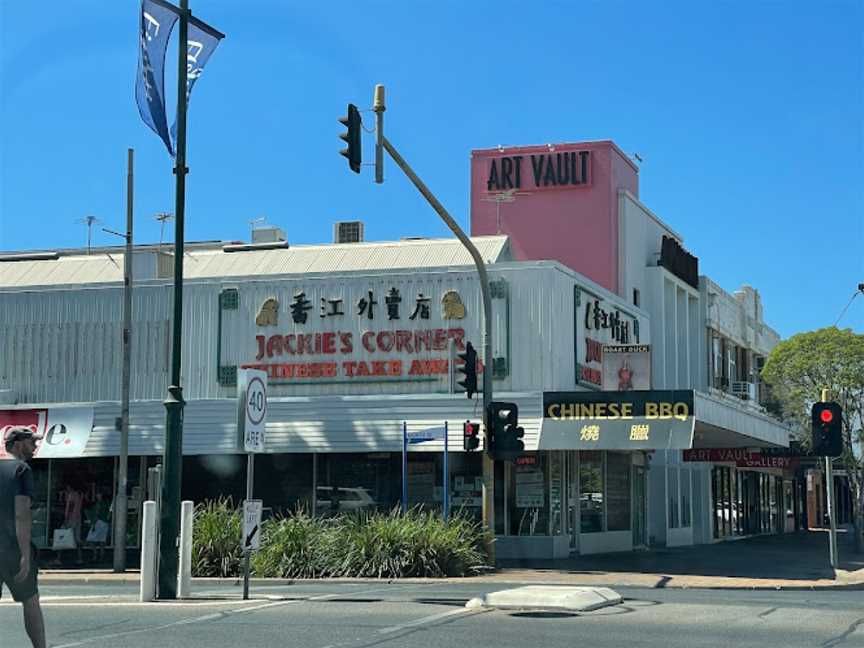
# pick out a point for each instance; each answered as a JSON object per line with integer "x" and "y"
{"x": 173, "y": 453}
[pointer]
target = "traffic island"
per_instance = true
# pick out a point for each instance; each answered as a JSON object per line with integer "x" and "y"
{"x": 572, "y": 599}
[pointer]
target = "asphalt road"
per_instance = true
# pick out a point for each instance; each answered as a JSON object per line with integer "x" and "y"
{"x": 360, "y": 615}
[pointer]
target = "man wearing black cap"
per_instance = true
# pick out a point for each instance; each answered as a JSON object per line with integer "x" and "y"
{"x": 17, "y": 563}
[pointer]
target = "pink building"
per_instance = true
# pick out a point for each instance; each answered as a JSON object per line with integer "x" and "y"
{"x": 556, "y": 201}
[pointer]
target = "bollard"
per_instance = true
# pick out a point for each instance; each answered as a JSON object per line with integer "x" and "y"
{"x": 149, "y": 544}
{"x": 184, "y": 571}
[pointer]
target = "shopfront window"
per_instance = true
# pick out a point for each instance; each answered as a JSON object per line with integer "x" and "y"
{"x": 685, "y": 497}
{"x": 556, "y": 492}
{"x": 79, "y": 497}
{"x": 674, "y": 518}
{"x": 618, "y": 491}
{"x": 529, "y": 511}
{"x": 591, "y": 490}
{"x": 348, "y": 483}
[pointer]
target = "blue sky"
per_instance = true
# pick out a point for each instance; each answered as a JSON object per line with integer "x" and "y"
{"x": 748, "y": 116}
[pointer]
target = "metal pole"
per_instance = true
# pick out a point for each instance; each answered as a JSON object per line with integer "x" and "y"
{"x": 379, "y": 108}
{"x": 829, "y": 490}
{"x": 250, "y": 480}
{"x": 829, "y": 496}
{"x": 446, "y": 475}
{"x": 404, "y": 467}
{"x": 488, "y": 463}
{"x": 173, "y": 454}
{"x": 121, "y": 506}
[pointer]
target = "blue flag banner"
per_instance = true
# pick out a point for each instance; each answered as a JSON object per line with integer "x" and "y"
{"x": 157, "y": 21}
{"x": 201, "y": 44}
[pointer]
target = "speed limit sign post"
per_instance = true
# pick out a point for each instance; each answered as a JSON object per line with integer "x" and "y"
{"x": 251, "y": 422}
{"x": 252, "y": 408}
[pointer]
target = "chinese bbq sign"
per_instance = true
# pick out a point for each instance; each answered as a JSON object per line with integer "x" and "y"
{"x": 634, "y": 420}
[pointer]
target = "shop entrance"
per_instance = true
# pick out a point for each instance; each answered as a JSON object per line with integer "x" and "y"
{"x": 639, "y": 503}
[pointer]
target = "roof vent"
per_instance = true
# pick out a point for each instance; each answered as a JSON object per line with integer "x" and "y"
{"x": 268, "y": 234}
{"x": 348, "y": 232}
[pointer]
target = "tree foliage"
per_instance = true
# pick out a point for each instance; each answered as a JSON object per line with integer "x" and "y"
{"x": 800, "y": 367}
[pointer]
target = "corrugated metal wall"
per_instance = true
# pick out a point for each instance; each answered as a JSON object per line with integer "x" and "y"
{"x": 65, "y": 345}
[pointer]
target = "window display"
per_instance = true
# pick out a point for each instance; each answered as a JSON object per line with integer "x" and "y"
{"x": 591, "y": 490}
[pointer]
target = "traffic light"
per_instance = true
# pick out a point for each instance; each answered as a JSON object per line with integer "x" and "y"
{"x": 352, "y": 137}
{"x": 505, "y": 442}
{"x": 470, "y": 436}
{"x": 827, "y": 432}
{"x": 469, "y": 368}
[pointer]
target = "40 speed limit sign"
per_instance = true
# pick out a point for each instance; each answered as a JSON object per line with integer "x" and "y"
{"x": 252, "y": 408}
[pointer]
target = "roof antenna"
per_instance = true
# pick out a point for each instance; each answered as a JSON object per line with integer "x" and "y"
{"x": 89, "y": 221}
{"x": 508, "y": 196}
{"x": 162, "y": 217}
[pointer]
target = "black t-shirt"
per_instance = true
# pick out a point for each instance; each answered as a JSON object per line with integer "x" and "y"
{"x": 16, "y": 478}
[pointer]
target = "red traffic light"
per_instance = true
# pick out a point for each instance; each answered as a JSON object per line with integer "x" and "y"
{"x": 826, "y": 415}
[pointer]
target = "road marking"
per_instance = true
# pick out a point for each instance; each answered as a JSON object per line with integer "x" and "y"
{"x": 432, "y": 619}
{"x": 206, "y": 617}
{"x": 212, "y": 616}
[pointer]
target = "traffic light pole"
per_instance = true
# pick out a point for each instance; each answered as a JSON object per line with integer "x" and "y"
{"x": 488, "y": 464}
{"x": 829, "y": 493}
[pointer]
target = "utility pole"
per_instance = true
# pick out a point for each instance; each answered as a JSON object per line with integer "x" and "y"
{"x": 121, "y": 508}
{"x": 122, "y": 423}
{"x": 488, "y": 464}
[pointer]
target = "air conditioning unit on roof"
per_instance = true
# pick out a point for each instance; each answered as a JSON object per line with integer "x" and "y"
{"x": 348, "y": 232}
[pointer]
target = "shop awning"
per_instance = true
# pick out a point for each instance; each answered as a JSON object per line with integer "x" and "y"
{"x": 653, "y": 420}
{"x": 306, "y": 424}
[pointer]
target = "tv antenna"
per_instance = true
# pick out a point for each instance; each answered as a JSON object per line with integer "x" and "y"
{"x": 508, "y": 196}
{"x": 162, "y": 217}
{"x": 89, "y": 221}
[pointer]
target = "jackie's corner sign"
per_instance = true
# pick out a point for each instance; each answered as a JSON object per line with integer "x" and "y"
{"x": 628, "y": 420}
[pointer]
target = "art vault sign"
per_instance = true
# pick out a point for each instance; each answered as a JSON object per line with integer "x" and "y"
{"x": 539, "y": 171}
{"x": 649, "y": 420}
{"x": 339, "y": 333}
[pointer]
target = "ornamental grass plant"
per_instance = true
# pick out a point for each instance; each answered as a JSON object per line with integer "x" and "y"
{"x": 216, "y": 538}
{"x": 419, "y": 543}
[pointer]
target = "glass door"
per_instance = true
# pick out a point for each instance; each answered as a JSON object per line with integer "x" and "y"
{"x": 572, "y": 487}
{"x": 639, "y": 506}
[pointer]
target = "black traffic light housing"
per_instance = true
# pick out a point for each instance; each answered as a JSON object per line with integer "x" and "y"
{"x": 469, "y": 369}
{"x": 826, "y": 425}
{"x": 470, "y": 436}
{"x": 352, "y": 137}
{"x": 505, "y": 434}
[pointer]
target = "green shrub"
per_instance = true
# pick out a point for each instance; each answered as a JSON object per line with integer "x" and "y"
{"x": 418, "y": 543}
{"x": 293, "y": 547}
{"x": 216, "y": 539}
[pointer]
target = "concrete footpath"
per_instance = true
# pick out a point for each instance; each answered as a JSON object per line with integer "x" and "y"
{"x": 796, "y": 561}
